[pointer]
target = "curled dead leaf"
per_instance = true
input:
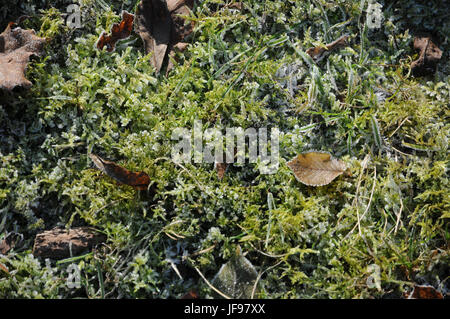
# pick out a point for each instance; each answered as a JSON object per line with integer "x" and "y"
{"x": 16, "y": 47}
{"x": 319, "y": 52}
{"x": 316, "y": 168}
{"x": 161, "y": 26}
{"x": 153, "y": 26}
{"x": 119, "y": 31}
{"x": 138, "y": 180}
{"x": 429, "y": 56}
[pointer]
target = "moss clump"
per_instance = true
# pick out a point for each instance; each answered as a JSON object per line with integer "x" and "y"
{"x": 238, "y": 71}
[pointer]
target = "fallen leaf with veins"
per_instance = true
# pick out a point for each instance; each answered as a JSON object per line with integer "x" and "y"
{"x": 316, "y": 168}
{"x": 237, "y": 278}
{"x": 119, "y": 31}
{"x": 162, "y": 28}
{"x": 16, "y": 47}
{"x": 429, "y": 56}
{"x": 319, "y": 52}
{"x": 139, "y": 180}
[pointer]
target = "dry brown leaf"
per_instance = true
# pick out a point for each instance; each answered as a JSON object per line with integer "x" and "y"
{"x": 16, "y": 47}
{"x": 119, "y": 31}
{"x": 235, "y": 5}
{"x": 6, "y": 245}
{"x": 316, "y": 168}
{"x": 153, "y": 26}
{"x": 10, "y": 241}
{"x": 430, "y": 54}
{"x": 162, "y": 28}
{"x": 319, "y": 52}
{"x": 191, "y": 294}
{"x": 221, "y": 168}
{"x": 180, "y": 29}
{"x": 139, "y": 180}
{"x": 4, "y": 268}
{"x": 425, "y": 292}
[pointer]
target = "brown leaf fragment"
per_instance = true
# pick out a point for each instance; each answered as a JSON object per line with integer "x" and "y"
{"x": 235, "y": 5}
{"x": 180, "y": 47}
{"x": 174, "y": 5}
{"x": 192, "y": 294}
{"x": 16, "y": 47}
{"x": 11, "y": 240}
{"x": 221, "y": 168}
{"x": 180, "y": 29}
{"x": 5, "y": 246}
{"x": 139, "y": 180}
{"x": 316, "y": 168}
{"x": 425, "y": 292}
{"x": 319, "y": 52}
{"x": 429, "y": 56}
{"x": 153, "y": 24}
{"x": 61, "y": 243}
{"x": 4, "y": 268}
{"x": 162, "y": 27}
{"x": 119, "y": 31}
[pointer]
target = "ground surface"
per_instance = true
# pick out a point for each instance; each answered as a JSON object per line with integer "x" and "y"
{"x": 386, "y": 220}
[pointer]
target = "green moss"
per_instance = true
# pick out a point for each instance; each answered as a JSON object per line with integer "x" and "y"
{"x": 309, "y": 242}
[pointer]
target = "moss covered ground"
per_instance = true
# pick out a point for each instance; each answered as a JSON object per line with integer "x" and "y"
{"x": 387, "y": 219}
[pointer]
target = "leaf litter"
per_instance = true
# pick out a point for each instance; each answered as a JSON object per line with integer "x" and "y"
{"x": 429, "y": 55}
{"x": 162, "y": 28}
{"x": 119, "y": 31}
{"x": 138, "y": 180}
{"x": 316, "y": 168}
{"x": 237, "y": 277}
{"x": 16, "y": 47}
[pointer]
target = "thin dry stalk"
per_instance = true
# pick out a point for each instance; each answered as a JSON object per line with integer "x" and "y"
{"x": 210, "y": 285}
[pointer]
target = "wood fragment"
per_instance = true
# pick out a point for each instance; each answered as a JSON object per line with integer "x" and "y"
{"x": 61, "y": 243}
{"x": 319, "y": 52}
